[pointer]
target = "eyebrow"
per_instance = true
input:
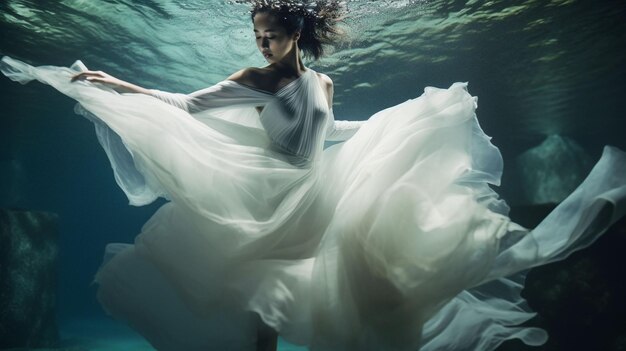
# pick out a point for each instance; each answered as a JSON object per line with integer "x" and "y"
{"x": 267, "y": 30}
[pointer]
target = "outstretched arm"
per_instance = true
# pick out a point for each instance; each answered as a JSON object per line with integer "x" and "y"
{"x": 104, "y": 78}
{"x": 337, "y": 130}
{"x": 219, "y": 95}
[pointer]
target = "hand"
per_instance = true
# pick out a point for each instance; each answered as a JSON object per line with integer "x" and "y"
{"x": 107, "y": 79}
{"x": 100, "y": 77}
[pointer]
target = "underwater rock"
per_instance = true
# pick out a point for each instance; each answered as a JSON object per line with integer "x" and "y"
{"x": 548, "y": 173}
{"x": 580, "y": 300}
{"x": 28, "y": 279}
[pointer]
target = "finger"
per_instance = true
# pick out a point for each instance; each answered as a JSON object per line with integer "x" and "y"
{"x": 81, "y": 75}
{"x": 97, "y": 80}
{"x": 76, "y": 76}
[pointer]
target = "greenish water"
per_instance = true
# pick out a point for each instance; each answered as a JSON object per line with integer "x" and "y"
{"x": 544, "y": 68}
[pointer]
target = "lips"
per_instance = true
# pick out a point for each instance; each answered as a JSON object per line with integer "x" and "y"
{"x": 267, "y": 54}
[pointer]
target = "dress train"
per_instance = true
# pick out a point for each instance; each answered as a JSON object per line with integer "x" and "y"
{"x": 391, "y": 240}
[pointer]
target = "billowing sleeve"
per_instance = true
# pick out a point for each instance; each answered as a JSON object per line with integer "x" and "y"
{"x": 341, "y": 130}
{"x": 223, "y": 94}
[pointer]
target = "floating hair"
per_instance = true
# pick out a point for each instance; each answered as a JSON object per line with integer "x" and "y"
{"x": 317, "y": 21}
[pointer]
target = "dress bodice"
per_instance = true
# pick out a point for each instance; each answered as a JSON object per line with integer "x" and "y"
{"x": 296, "y": 118}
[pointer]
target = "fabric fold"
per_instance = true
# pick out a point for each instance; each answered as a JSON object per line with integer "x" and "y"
{"x": 391, "y": 240}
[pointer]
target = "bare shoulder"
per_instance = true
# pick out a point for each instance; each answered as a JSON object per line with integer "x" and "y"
{"x": 328, "y": 83}
{"x": 248, "y": 75}
{"x": 255, "y": 77}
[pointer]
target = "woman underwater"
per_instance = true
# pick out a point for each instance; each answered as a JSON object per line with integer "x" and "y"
{"x": 391, "y": 240}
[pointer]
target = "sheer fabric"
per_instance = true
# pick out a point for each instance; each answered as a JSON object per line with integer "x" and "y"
{"x": 391, "y": 240}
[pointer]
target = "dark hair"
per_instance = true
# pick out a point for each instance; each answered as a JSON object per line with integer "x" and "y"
{"x": 316, "y": 21}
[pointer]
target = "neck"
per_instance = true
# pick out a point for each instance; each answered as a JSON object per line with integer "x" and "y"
{"x": 291, "y": 64}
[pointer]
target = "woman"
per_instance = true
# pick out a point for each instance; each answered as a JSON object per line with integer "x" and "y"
{"x": 392, "y": 240}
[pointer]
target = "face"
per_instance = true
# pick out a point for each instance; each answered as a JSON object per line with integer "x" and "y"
{"x": 272, "y": 39}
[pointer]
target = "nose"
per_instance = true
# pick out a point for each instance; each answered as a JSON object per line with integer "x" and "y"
{"x": 265, "y": 43}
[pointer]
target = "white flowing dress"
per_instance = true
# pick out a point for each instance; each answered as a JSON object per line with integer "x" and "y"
{"x": 391, "y": 240}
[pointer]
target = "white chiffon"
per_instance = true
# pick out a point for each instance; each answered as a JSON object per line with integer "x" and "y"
{"x": 391, "y": 240}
